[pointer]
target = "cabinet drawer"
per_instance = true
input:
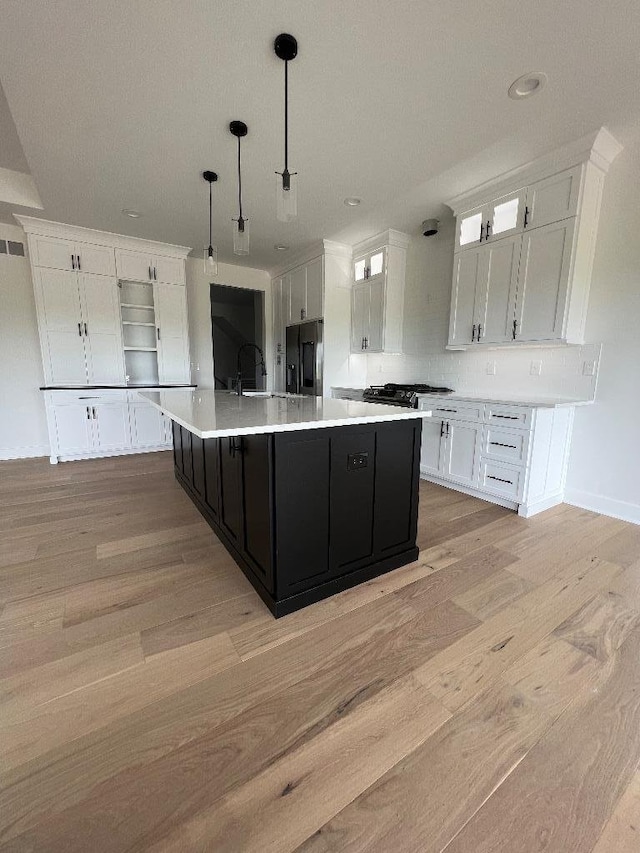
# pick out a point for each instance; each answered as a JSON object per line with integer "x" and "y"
{"x": 506, "y": 445}
{"x": 501, "y": 479}
{"x": 452, "y": 410}
{"x": 509, "y": 416}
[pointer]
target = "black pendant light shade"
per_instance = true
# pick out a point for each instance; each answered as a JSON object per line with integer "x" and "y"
{"x": 241, "y": 224}
{"x": 286, "y": 48}
{"x": 210, "y": 253}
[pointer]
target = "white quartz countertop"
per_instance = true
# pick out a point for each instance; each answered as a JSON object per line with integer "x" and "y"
{"x": 533, "y": 401}
{"x": 215, "y": 414}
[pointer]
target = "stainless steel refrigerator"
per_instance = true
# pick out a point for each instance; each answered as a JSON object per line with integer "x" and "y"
{"x": 304, "y": 358}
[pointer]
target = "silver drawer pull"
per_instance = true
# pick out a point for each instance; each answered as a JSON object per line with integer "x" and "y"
{"x": 499, "y": 479}
{"x": 507, "y": 417}
{"x": 500, "y": 444}
{"x": 447, "y": 410}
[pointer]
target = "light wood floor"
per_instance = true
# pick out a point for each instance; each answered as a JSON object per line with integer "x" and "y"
{"x": 485, "y": 698}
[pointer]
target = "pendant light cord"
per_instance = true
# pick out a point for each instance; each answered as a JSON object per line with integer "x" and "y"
{"x": 210, "y": 215}
{"x": 239, "y": 184}
{"x": 286, "y": 116}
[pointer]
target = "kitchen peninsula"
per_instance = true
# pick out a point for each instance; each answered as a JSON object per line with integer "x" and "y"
{"x": 309, "y": 495}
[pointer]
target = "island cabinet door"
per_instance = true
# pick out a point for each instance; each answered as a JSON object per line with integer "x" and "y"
{"x": 187, "y": 455}
{"x": 301, "y": 491}
{"x": 353, "y": 469}
{"x": 177, "y": 446}
{"x": 211, "y": 451}
{"x": 197, "y": 456}
{"x": 231, "y": 515}
{"x": 396, "y": 487}
{"x": 257, "y": 479}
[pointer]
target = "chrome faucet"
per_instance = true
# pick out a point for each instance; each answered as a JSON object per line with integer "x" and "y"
{"x": 239, "y": 374}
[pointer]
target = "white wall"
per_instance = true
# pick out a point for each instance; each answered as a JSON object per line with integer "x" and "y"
{"x": 23, "y": 425}
{"x": 604, "y": 470}
{"x": 200, "y": 314}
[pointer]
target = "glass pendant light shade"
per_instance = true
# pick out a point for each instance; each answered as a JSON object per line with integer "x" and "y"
{"x": 210, "y": 261}
{"x": 286, "y": 198}
{"x": 240, "y": 236}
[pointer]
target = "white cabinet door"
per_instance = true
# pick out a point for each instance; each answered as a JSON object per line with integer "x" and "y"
{"x": 374, "y": 335}
{"x": 496, "y": 291}
{"x": 111, "y": 424}
{"x": 168, "y": 270}
{"x": 148, "y": 427}
{"x": 463, "y": 443}
{"x": 470, "y": 228}
{"x": 133, "y": 266}
{"x": 506, "y": 216}
{"x": 298, "y": 297}
{"x": 101, "y": 324}
{"x": 432, "y": 448}
{"x": 74, "y": 429}
{"x": 173, "y": 341}
{"x": 469, "y": 270}
{"x": 554, "y": 198}
{"x": 61, "y": 327}
{"x": 543, "y": 281}
{"x": 359, "y": 315}
{"x": 278, "y": 334}
{"x": 314, "y": 290}
{"x": 99, "y": 260}
{"x": 53, "y": 253}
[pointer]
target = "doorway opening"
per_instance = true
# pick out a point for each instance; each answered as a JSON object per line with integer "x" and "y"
{"x": 237, "y": 327}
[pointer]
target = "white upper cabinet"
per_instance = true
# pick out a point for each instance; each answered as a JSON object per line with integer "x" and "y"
{"x": 170, "y": 302}
{"x": 553, "y": 198}
{"x": 523, "y": 258}
{"x": 543, "y": 282}
{"x": 143, "y": 266}
{"x": 91, "y": 331}
{"x": 52, "y": 253}
{"x": 377, "y": 303}
{"x": 298, "y": 295}
{"x": 315, "y": 289}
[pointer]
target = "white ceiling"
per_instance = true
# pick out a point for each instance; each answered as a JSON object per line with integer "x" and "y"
{"x": 122, "y": 104}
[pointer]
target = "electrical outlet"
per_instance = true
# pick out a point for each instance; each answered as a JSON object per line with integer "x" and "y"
{"x": 491, "y": 368}
{"x": 588, "y": 368}
{"x": 535, "y": 368}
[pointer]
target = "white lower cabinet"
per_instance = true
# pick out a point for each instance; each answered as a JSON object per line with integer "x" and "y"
{"x": 512, "y": 455}
{"x": 86, "y": 424}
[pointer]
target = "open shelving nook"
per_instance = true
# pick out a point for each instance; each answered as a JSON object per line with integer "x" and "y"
{"x": 139, "y": 332}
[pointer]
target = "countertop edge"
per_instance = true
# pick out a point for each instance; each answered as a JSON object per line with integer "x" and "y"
{"x": 506, "y": 401}
{"x": 404, "y": 415}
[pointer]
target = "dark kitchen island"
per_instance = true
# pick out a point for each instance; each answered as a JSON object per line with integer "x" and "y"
{"x": 309, "y": 495}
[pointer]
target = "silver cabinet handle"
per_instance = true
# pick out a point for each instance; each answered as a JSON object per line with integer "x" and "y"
{"x": 158, "y": 331}
{"x": 78, "y": 262}
{"x": 473, "y": 333}
{"x": 150, "y": 276}
{"x": 86, "y": 331}
{"x": 441, "y": 428}
{"x": 80, "y": 329}
{"x": 501, "y": 444}
{"x": 93, "y": 409}
{"x": 479, "y": 331}
{"x": 499, "y": 479}
{"x": 88, "y": 413}
{"x": 73, "y": 262}
{"x": 453, "y": 411}
{"x": 155, "y": 274}
{"x": 526, "y": 217}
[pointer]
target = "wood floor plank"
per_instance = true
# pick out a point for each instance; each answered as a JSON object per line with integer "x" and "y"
{"x": 565, "y": 791}
{"x": 600, "y": 627}
{"x": 463, "y": 669}
{"x": 492, "y": 595}
{"x": 622, "y": 832}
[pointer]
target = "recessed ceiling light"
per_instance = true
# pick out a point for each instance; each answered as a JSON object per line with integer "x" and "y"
{"x": 280, "y": 247}
{"x": 352, "y": 201}
{"x": 132, "y": 213}
{"x": 527, "y": 85}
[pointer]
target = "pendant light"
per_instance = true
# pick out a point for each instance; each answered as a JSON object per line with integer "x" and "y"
{"x": 286, "y": 48}
{"x": 241, "y": 225}
{"x": 211, "y": 252}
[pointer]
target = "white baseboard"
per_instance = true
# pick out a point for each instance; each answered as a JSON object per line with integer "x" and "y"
{"x": 106, "y": 454}
{"x": 31, "y": 452}
{"x": 466, "y": 490}
{"x": 605, "y": 506}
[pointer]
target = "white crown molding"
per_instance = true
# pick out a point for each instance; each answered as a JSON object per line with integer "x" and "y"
{"x": 45, "y": 228}
{"x": 385, "y": 238}
{"x": 599, "y": 148}
{"x": 315, "y": 250}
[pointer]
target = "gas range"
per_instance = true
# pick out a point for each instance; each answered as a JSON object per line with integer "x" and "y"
{"x": 393, "y": 394}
